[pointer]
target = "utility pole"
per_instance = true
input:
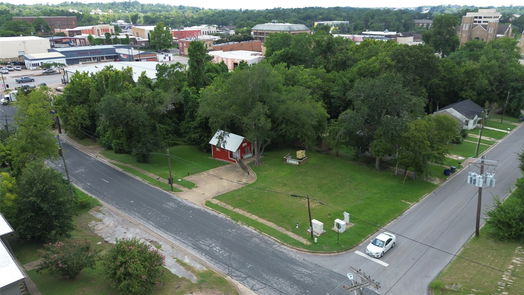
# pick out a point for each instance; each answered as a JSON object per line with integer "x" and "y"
{"x": 61, "y": 153}
{"x": 479, "y": 200}
{"x": 170, "y": 180}
{"x": 504, "y": 108}
{"x": 480, "y": 133}
{"x": 365, "y": 280}
{"x": 6, "y": 124}
{"x": 308, "y": 211}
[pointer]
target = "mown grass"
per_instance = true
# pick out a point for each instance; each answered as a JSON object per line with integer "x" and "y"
{"x": 482, "y": 140}
{"x": 488, "y": 133}
{"x": 186, "y": 160}
{"x": 497, "y": 124}
{"x": 479, "y": 268}
{"x": 336, "y": 185}
{"x": 146, "y": 178}
{"x": 466, "y": 149}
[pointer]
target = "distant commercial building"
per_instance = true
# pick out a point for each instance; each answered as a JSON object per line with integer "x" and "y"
{"x": 142, "y": 31}
{"x": 331, "y": 23}
{"x": 261, "y": 31}
{"x": 204, "y": 29}
{"x": 380, "y": 35}
{"x": 252, "y": 45}
{"x": 97, "y": 30}
{"x": 482, "y": 25}
{"x": 61, "y": 42}
{"x": 54, "y": 22}
{"x": 149, "y": 68}
{"x": 90, "y": 54}
{"x": 183, "y": 45}
{"x": 36, "y": 60}
{"x": 183, "y": 34}
{"x": 233, "y": 58}
{"x": 12, "y": 48}
{"x": 423, "y": 23}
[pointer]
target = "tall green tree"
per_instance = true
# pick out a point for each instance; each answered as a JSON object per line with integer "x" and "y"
{"x": 44, "y": 206}
{"x": 40, "y": 26}
{"x": 382, "y": 108}
{"x": 443, "y": 36}
{"x": 198, "y": 58}
{"x": 160, "y": 38}
{"x": 255, "y": 103}
{"x": 32, "y": 140}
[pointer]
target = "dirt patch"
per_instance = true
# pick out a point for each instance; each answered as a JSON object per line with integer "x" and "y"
{"x": 111, "y": 227}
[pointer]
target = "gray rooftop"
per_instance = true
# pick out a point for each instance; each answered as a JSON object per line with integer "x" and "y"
{"x": 280, "y": 27}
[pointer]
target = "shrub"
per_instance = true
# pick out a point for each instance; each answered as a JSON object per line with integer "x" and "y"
{"x": 67, "y": 259}
{"x": 133, "y": 266}
{"x": 506, "y": 221}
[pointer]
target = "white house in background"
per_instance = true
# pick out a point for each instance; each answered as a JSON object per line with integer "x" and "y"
{"x": 12, "y": 279}
{"x": 233, "y": 58}
{"x": 466, "y": 111}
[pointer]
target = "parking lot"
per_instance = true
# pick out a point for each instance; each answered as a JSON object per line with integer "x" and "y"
{"x": 51, "y": 80}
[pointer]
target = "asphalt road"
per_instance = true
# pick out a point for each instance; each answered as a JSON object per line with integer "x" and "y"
{"x": 248, "y": 257}
{"x": 431, "y": 232}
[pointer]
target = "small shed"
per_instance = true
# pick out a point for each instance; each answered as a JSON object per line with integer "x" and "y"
{"x": 230, "y": 147}
{"x": 466, "y": 111}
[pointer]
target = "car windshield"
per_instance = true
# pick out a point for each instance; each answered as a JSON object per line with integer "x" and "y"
{"x": 378, "y": 243}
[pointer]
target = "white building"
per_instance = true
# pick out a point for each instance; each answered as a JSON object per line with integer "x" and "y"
{"x": 36, "y": 60}
{"x": 467, "y": 112}
{"x": 233, "y": 58}
{"x": 11, "y": 275}
{"x": 204, "y": 29}
{"x": 484, "y": 16}
{"x": 14, "y": 47}
{"x": 147, "y": 67}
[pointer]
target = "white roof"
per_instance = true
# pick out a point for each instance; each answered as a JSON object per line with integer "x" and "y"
{"x": 21, "y": 38}
{"x": 149, "y": 67}
{"x": 237, "y": 54}
{"x": 5, "y": 228}
{"x": 9, "y": 271}
{"x": 226, "y": 140}
{"x": 52, "y": 54}
{"x": 149, "y": 28}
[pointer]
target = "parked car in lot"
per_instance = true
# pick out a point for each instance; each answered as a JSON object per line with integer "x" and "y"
{"x": 49, "y": 71}
{"x": 4, "y": 71}
{"x": 42, "y": 84}
{"x": 24, "y": 79}
{"x": 381, "y": 244}
{"x": 10, "y": 68}
{"x": 18, "y": 68}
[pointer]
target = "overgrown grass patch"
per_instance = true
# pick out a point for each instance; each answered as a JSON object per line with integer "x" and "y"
{"x": 336, "y": 185}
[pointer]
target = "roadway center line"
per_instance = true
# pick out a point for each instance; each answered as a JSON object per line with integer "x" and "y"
{"x": 105, "y": 180}
{"x": 372, "y": 259}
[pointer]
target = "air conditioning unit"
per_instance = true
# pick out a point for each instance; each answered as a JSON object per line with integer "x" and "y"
{"x": 339, "y": 226}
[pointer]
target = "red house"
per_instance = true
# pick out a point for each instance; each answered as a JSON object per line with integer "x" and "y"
{"x": 229, "y": 147}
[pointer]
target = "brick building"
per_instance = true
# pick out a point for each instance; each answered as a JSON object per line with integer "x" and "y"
{"x": 98, "y": 30}
{"x": 183, "y": 34}
{"x": 253, "y": 45}
{"x": 54, "y": 22}
{"x": 482, "y": 25}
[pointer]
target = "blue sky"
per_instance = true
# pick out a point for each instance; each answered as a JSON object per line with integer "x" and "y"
{"x": 261, "y": 4}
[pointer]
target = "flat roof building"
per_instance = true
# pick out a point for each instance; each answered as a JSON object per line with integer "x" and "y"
{"x": 36, "y": 60}
{"x": 54, "y": 22}
{"x": 261, "y": 31}
{"x": 12, "y": 48}
{"x": 11, "y": 275}
{"x": 232, "y": 59}
{"x": 147, "y": 67}
{"x": 89, "y": 54}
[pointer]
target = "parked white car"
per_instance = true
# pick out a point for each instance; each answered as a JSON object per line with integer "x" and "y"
{"x": 381, "y": 244}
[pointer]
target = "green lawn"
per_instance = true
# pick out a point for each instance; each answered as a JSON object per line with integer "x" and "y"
{"x": 372, "y": 197}
{"x": 482, "y": 140}
{"x": 147, "y": 179}
{"x": 496, "y": 117}
{"x": 496, "y": 124}
{"x": 466, "y": 277}
{"x": 466, "y": 149}
{"x": 186, "y": 160}
{"x": 488, "y": 133}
